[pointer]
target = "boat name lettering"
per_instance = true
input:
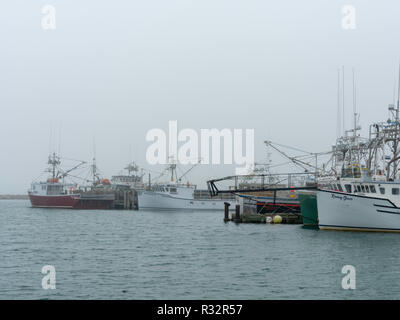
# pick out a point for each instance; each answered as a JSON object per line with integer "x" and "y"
{"x": 344, "y": 198}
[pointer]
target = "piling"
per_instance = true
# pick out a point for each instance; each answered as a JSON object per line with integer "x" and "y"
{"x": 226, "y": 217}
{"x": 237, "y": 214}
{"x": 135, "y": 200}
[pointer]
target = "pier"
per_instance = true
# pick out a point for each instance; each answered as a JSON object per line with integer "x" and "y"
{"x": 288, "y": 217}
{"x": 125, "y": 198}
{"x": 265, "y": 198}
{"x": 118, "y": 197}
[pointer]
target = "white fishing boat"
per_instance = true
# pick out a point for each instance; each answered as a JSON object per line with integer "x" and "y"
{"x": 365, "y": 196}
{"x": 177, "y": 195}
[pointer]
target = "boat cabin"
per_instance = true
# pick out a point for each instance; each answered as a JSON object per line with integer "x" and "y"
{"x": 51, "y": 188}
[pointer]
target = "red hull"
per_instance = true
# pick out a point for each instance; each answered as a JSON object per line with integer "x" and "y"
{"x": 69, "y": 202}
{"x": 59, "y": 201}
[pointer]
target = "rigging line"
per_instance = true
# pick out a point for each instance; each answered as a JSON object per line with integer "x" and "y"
{"x": 76, "y": 177}
{"x": 285, "y": 146}
{"x": 70, "y": 159}
{"x": 39, "y": 176}
{"x": 153, "y": 171}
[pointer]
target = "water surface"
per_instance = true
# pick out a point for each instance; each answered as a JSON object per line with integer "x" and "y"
{"x": 185, "y": 255}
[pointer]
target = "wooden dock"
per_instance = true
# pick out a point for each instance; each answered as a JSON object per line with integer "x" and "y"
{"x": 126, "y": 198}
{"x": 238, "y": 217}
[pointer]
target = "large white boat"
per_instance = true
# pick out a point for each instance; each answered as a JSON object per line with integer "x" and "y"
{"x": 344, "y": 211}
{"x": 365, "y": 195}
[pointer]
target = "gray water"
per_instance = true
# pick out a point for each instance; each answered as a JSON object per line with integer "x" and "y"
{"x": 185, "y": 255}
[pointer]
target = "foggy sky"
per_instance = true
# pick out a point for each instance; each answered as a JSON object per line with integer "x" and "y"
{"x": 112, "y": 70}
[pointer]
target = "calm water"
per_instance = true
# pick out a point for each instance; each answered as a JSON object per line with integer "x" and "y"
{"x": 185, "y": 255}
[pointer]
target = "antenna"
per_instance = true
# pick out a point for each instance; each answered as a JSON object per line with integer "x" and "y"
{"x": 354, "y": 103}
{"x": 59, "y": 139}
{"x": 50, "y": 142}
{"x": 398, "y": 98}
{"x": 343, "y": 99}
{"x": 394, "y": 91}
{"x": 339, "y": 124}
{"x": 94, "y": 162}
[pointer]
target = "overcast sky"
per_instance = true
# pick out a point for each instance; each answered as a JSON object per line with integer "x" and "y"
{"x": 112, "y": 70}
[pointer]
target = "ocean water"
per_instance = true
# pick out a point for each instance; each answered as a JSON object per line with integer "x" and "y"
{"x": 185, "y": 255}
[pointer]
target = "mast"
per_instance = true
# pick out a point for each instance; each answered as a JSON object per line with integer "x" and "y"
{"x": 339, "y": 124}
{"x": 172, "y": 168}
{"x": 54, "y": 162}
{"x": 94, "y": 166}
{"x": 354, "y": 106}
{"x": 355, "y": 122}
{"x": 396, "y": 138}
{"x": 398, "y": 98}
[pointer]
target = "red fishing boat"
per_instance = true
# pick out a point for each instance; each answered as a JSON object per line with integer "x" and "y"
{"x": 55, "y": 192}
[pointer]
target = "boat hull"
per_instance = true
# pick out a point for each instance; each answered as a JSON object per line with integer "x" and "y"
{"x": 154, "y": 200}
{"x": 56, "y": 201}
{"x": 309, "y": 209}
{"x": 348, "y": 212}
{"x": 71, "y": 202}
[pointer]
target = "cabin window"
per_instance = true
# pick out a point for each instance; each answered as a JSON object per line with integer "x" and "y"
{"x": 348, "y": 188}
{"x": 367, "y": 189}
{"x": 172, "y": 190}
{"x": 340, "y": 187}
{"x": 372, "y": 188}
{"x": 395, "y": 191}
{"x": 54, "y": 189}
{"x": 363, "y": 188}
{"x": 382, "y": 190}
{"x": 358, "y": 188}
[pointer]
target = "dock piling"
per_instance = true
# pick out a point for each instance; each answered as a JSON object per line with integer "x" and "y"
{"x": 237, "y": 213}
{"x": 226, "y": 217}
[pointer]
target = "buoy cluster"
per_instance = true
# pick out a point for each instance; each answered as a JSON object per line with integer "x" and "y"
{"x": 275, "y": 219}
